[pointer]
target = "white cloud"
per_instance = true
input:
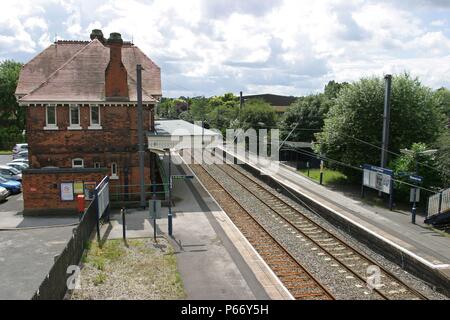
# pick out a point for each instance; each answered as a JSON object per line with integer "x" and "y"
{"x": 210, "y": 47}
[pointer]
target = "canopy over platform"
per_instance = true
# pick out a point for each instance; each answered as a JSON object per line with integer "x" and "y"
{"x": 180, "y": 134}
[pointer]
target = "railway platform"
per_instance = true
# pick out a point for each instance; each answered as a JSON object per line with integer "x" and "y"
{"x": 214, "y": 259}
{"x": 417, "y": 248}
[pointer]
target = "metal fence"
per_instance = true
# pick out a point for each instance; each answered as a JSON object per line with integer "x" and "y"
{"x": 439, "y": 203}
{"x": 54, "y": 286}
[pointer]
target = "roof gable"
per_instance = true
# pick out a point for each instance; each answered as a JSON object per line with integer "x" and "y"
{"x": 75, "y": 71}
{"x": 81, "y": 78}
{"x": 44, "y": 64}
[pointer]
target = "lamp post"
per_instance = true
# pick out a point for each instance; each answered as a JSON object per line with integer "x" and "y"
{"x": 170, "y": 195}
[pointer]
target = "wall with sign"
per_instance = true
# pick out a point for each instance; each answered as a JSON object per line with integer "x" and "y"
{"x": 55, "y": 191}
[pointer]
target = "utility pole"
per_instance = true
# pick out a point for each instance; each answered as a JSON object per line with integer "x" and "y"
{"x": 241, "y": 104}
{"x": 141, "y": 137}
{"x": 386, "y": 120}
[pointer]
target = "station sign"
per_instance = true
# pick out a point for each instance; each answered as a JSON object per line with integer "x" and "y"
{"x": 416, "y": 179}
{"x": 378, "y": 178}
{"x": 414, "y": 195}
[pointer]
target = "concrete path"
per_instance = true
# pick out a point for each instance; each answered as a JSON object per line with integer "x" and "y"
{"x": 28, "y": 247}
{"x": 214, "y": 259}
{"x": 26, "y": 258}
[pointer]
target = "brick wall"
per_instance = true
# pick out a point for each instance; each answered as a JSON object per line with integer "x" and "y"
{"x": 42, "y": 189}
{"x": 115, "y": 142}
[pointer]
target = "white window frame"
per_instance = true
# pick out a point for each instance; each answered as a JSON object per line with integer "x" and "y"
{"x": 97, "y": 165}
{"x": 114, "y": 175}
{"x": 51, "y": 126}
{"x": 95, "y": 126}
{"x": 78, "y": 125}
{"x": 77, "y": 166}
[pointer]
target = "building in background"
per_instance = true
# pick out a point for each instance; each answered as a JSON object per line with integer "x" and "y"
{"x": 81, "y": 119}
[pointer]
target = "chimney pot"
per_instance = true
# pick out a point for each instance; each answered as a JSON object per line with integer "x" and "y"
{"x": 115, "y": 37}
{"x": 97, "y": 34}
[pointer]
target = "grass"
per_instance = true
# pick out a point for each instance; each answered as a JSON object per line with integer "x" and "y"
{"x": 330, "y": 177}
{"x": 110, "y": 252}
{"x": 5, "y": 153}
{"x": 139, "y": 269}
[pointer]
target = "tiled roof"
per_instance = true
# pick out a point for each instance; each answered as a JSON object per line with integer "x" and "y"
{"x": 75, "y": 71}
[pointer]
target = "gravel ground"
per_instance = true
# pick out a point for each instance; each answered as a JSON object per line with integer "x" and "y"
{"x": 142, "y": 271}
{"x": 396, "y": 270}
{"x": 330, "y": 273}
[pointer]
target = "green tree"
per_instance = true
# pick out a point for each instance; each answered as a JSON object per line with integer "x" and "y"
{"x": 443, "y": 95}
{"x": 333, "y": 88}
{"x": 258, "y": 114}
{"x": 357, "y": 114}
{"x": 9, "y": 108}
{"x": 416, "y": 161}
{"x": 309, "y": 113}
{"x": 198, "y": 108}
{"x": 443, "y": 157}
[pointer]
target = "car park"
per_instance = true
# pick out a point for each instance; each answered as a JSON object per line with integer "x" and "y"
{"x": 20, "y": 147}
{"x": 21, "y": 155}
{"x": 12, "y": 186}
{"x": 18, "y": 165}
{"x": 10, "y": 173}
{"x": 4, "y": 193}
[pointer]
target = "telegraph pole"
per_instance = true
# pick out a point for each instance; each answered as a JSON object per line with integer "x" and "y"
{"x": 386, "y": 120}
{"x": 241, "y": 104}
{"x": 141, "y": 137}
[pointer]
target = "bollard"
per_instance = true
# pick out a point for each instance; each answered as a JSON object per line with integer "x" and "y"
{"x": 413, "y": 216}
{"x": 124, "y": 226}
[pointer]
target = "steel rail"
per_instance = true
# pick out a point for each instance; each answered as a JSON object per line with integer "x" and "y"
{"x": 324, "y": 291}
{"x": 322, "y": 229}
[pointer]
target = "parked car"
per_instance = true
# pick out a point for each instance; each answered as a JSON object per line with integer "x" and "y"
{"x": 20, "y": 147}
{"x": 4, "y": 193}
{"x": 20, "y": 161}
{"x": 10, "y": 173}
{"x": 18, "y": 165}
{"x": 12, "y": 186}
{"x": 21, "y": 155}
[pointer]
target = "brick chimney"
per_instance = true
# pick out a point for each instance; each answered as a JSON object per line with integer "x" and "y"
{"x": 116, "y": 85}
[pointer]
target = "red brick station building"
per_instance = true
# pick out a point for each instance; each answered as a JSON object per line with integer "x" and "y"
{"x": 81, "y": 119}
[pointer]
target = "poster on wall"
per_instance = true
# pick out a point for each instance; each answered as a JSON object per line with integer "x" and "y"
{"x": 89, "y": 188}
{"x": 78, "y": 187}
{"x": 67, "y": 191}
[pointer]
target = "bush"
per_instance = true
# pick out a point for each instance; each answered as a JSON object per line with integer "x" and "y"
{"x": 9, "y": 136}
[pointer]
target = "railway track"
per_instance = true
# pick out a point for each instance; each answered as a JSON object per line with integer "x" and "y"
{"x": 300, "y": 283}
{"x": 348, "y": 257}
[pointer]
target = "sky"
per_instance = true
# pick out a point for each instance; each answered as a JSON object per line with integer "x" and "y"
{"x": 210, "y": 47}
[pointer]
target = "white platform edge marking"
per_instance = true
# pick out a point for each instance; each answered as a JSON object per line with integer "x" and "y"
{"x": 243, "y": 237}
{"x": 295, "y": 187}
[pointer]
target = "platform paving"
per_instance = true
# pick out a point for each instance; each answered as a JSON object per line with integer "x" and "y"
{"x": 214, "y": 259}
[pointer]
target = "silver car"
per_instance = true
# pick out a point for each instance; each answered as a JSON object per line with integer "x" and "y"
{"x": 21, "y": 155}
{"x": 18, "y": 165}
{"x": 4, "y": 193}
{"x": 10, "y": 173}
